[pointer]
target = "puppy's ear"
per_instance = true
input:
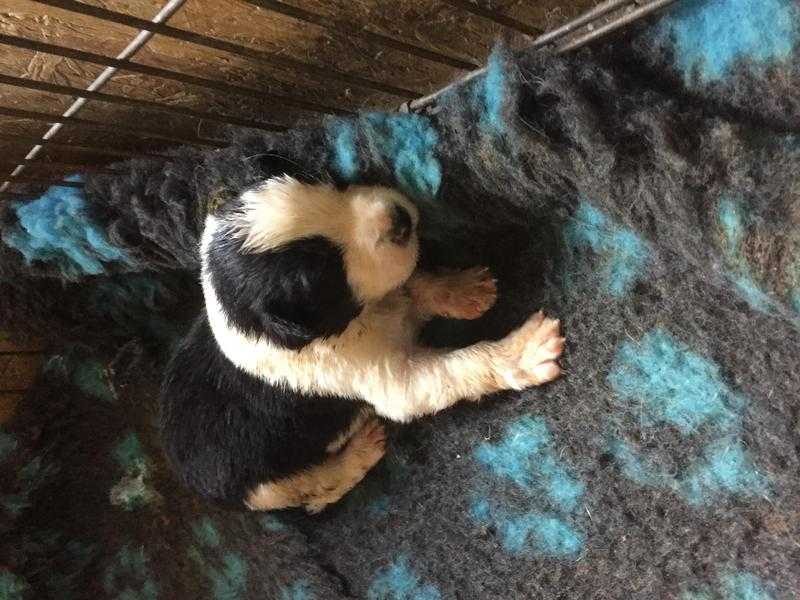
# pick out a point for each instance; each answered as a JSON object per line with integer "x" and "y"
{"x": 291, "y": 296}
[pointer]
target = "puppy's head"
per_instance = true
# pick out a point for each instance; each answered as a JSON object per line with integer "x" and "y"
{"x": 294, "y": 262}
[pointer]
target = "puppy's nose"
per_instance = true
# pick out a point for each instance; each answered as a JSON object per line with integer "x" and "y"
{"x": 402, "y": 226}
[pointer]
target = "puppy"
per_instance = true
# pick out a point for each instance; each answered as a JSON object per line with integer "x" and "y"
{"x": 312, "y": 308}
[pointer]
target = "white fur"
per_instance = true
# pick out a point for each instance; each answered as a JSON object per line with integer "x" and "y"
{"x": 283, "y": 210}
{"x": 376, "y": 359}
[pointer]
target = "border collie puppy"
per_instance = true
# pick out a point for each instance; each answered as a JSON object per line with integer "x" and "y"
{"x": 312, "y": 306}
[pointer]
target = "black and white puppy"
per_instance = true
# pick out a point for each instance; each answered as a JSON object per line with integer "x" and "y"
{"x": 312, "y": 309}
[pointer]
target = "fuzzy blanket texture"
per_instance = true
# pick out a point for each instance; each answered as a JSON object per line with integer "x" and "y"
{"x": 647, "y": 192}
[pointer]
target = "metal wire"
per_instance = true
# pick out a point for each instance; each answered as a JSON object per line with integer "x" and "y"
{"x": 601, "y": 20}
{"x": 588, "y": 27}
{"x": 199, "y": 39}
{"x": 135, "y": 45}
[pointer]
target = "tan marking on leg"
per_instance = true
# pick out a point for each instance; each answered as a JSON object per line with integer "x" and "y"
{"x": 356, "y": 424}
{"x": 457, "y": 295}
{"x": 325, "y": 483}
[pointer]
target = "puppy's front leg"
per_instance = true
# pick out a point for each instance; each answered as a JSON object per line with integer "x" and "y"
{"x": 434, "y": 380}
{"x": 456, "y": 295}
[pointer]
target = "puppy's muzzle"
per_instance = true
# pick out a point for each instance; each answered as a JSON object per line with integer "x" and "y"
{"x": 402, "y": 226}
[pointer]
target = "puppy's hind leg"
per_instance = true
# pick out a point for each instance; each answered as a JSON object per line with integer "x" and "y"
{"x": 327, "y": 482}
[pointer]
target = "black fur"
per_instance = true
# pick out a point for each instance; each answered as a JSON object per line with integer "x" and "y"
{"x": 292, "y": 295}
{"x": 226, "y": 431}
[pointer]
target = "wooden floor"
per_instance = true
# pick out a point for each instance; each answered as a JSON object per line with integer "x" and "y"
{"x": 249, "y": 63}
{"x": 19, "y": 366}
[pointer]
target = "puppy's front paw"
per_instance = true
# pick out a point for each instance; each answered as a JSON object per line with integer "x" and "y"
{"x": 463, "y": 294}
{"x": 472, "y": 293}
{"x": 532, "y": 351}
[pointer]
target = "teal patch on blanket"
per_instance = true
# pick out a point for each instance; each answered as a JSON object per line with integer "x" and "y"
{"x": 665, "y": 382}
{"x": 725, "y": 467}
{"x": 400, "y": 582}
{"x": 379, "y": 506}
{"x": 623, "y": 255}
{"x": 342, "y": 138}
{"x": 299, "y": 590}
{"x": 546, "y": 534}
{"x": 490, "y": 93}
{"x": 86, "y": 373}
{"x": 272, "y": 523}
{"x": 733, "y": 586}
{"x": 128, "y": 576}
{"x": 55, "y": 228}
{"x": 12, "y": 587}
{"x": 795, "y": 300}
{"x": 408, "y": 143}
{"x": 744, "y": 586}
{"x": 134, "y": 489}
{"x": 733, "y": 221}
{"x": 527, "y": 456}
{"x": 636, "y": 467}
{"x": 226, "y": 571}
{"x": 206, "y": 533}
{"x": 710, "y": 36}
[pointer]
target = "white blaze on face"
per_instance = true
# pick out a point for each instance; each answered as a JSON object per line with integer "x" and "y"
{"x": 357, "y": 219}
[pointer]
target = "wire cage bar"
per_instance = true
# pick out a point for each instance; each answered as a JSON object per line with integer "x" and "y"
{"x": 33, "y": 159}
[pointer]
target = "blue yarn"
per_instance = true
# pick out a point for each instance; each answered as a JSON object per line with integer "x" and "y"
{"x": 399, "y": 582}
{"x": 624, "y": 254}
{"x": 527, "y": 456}
{"x": 725, "y": 467}
{"x": 345, "y": 154}
{"x": 271, "y": 523}
{"x": 545, "y": 534}
{"x": 379, "y": 507}
{"x": 794, "y": 300}
{"x": 128, "y": 577}
{"x": 752, "y": 294}
{"x": 744, "y": 586}
{"x": 299, "y": 590}
{"x": 408, "y": 143}
{"x": 12, "y": 587}
{"x": 733, "y": 586}
{"x": 129, "y": 453}
{"x": 87, "y": 374}
{"x": 636, "y": 468}
{"x": 91, "y": 377}
{"x": 206, "y": 533}
{"x": 673, "y": 384}
{"x": 712, "y": 35}
{"x": 733, "y": 220}
{"x": 703, "y": 594}
{"x": 230, "y": 582}
{"x": 54, "y": 228}
{"x": 489, "y": 94}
